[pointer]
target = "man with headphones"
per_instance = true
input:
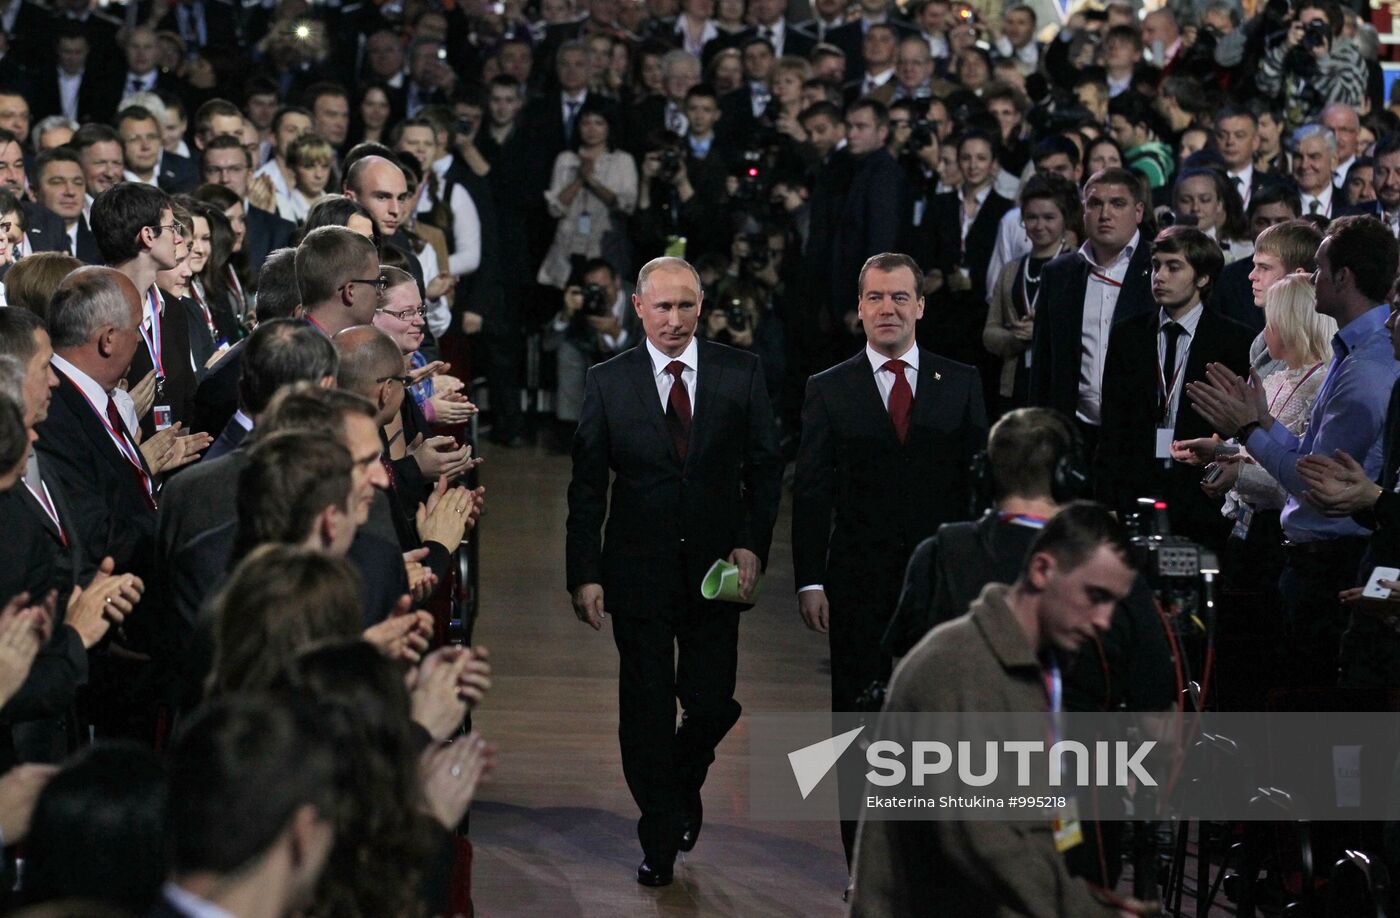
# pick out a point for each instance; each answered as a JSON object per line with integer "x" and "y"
{"x": 1033, "y": 464}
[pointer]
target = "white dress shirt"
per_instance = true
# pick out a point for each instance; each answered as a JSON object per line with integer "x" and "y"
{"x": 873, "y": 82}
{"x": 192, "y": 906}
{"x": 279, "y": 178}
{"x": 68, "y": 86}
{"x": 1324, "y": 206}
{"x": 99, "y": 399}
{"x": 1100, "y": 301}
{"x": 664, "y": 380}
{"x": 884, "y": 382}
{"x": 709, "y": 33}
{"x": 1339, "y": 176}
{"x": 139, "y": 82}
{"x": 465, "y": 256}
{"x": 1189, "y": 322}
{"x": 775, "y": 33}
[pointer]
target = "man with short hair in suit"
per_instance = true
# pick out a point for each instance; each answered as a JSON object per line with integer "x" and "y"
{"x": 1083, "y": 294}
{"x": 850, "y": 37}
{"x": 145, "y": 157}
{"x": 43, "y": 229}
{"x": 225, "y": 161}
{"x": 770, "y": 24}
{"x": 887, "y": 441}
{"x": 1151, "y": 358}
{"x": 62, "y": 188}
{"x": 877, "y": 82}
{"x": 876, "y": 212}
{"x": 682, "y": 433}
{"x": 1314, "y": 159}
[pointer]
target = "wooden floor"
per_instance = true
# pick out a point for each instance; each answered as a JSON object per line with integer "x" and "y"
{"x": 555, "y": 830}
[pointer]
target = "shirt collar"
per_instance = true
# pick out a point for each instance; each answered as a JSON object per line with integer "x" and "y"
{"x": 981, "y": 196}
{"x": 1245, "y": 175}
{"x": 881, "y": 78}
{"x": 243, "y": 420}
{"x": 1087, "y": 250}
{"x": 1189, "y": 322}
{"x": 89, "y": 386}
{"x": 659, "y": 361}
{"x": 187, "y": 903}
{"x": 1360, "y": 328}
{"x": 878, "y": 360}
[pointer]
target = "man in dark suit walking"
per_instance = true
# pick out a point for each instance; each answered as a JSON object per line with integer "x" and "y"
{"x": 1083, "y": 294}
{"x": 887, "y": 442}
{"x": 1151, "y": 358}
{"x": 685, "y": 430}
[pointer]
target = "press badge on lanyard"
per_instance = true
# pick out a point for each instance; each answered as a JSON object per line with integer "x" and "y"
{"x": 160, "y": 412}
{"x": 1065, "y": 822}
{"x": 1165, "y": 432}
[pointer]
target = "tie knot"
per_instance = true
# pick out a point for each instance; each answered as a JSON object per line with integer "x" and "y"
{"x": 1173, "y": 330}
{"x": 894, "y": 366}
{"x": 675, "y": 368}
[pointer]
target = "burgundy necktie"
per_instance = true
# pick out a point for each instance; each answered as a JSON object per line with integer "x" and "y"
{"x": 678, "y": 409}
{"x": 119, "y": 427}
{"x": 901, "y": 400}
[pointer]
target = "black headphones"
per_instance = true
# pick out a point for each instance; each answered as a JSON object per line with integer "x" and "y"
{"x": 1069, "y": 479}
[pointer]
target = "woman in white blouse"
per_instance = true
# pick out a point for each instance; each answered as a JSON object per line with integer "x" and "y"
{"x": 696, "y": 25}
{"x": 592, "y": 192}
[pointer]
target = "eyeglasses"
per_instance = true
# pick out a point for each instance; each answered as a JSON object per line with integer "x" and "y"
{"x": 380, "y": 283}
{"x": 401, "y": 380}
{"x": 173, "y": 227}
{"x": 6, "y": 226}
{"x": 406, "y": 315}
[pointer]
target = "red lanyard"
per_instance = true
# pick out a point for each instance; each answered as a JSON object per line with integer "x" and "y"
{"x": 199, "y": 301}
{"x": 1105, "y": 279}
{"x": 123, "y": 441}
{"x": 42, "y": 496}
{"x": 1298, "y": 385}
{"x": 152, "y": 339}
{"x": 1165, "y": 389}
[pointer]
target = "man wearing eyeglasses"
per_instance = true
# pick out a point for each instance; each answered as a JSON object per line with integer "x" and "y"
{"x": 223, "y": 160}
{"x": 339, "y": 279}
{"x": 43, "y": 229}
{"x": 136, "y": 234}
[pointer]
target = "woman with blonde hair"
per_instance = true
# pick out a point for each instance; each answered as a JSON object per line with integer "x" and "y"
{"x": 1301, "y": 339}
{"x": 788, "y": 76}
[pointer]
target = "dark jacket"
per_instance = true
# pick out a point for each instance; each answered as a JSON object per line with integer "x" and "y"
{"x": 668, "y": 520}
{"x": 873, "y": 218}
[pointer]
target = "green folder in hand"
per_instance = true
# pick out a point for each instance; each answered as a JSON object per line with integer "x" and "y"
{"x": 722, "y": 582}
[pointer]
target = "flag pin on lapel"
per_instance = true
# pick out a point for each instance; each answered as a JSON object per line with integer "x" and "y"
{"x": 937, "y": 375}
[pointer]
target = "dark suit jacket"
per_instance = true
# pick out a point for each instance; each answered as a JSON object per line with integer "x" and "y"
{"x": 45, "y": 229}
{"x": 1232, "y": 296}
{"x": 862, "y": 500}
{"x": 1057, "y": 346}
{"x": 97, "y": 96}
{"x": 942, "y": 244}
{"x": 87, "y": 251}
{"x": 216, "y": 395}
{"x": 178, "y": 174}
{"x": 1125, "y": 467}
{"x": 180, "y": 381}
{"x": 668, "y": 520}
{"x": 110, "y": 510}
{"x": 200, "y": 498}
{"x": 228, "y": 440}
{"x": 267, "y": 232}
{"x": 873, "y": 220}
{"x": 221, "y": 29}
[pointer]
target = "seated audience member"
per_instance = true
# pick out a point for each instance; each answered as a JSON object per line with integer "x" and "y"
{"x": 253, "y": 798}
{"x": 99, "y": 830}
{"x": 402, "y": 316}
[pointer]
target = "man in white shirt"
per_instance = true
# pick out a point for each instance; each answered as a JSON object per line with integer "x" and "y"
{"x": 141, "y": 145}
{"x": 1314, "y": 162}
{"x": 61, "y": 188}
{"x": 1018, "y": 38}
{"x": 287, "y": 125}
{"x": 1342, "y": 121}
{"x": 142, "y": 57}
{"x": 1237, "y": 141}
{"x": 878, "y": 47}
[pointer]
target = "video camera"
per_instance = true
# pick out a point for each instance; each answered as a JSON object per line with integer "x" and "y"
{"x": 595, "y": 300}
{"x": 670, "y": 163}
{"x": 1181, "y": 574}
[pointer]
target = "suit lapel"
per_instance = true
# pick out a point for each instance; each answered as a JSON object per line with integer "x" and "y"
{"x": 869, "y": 392}
{"x": 94, "y": 428}
{"x": 926, "y": 400}
{"x": 644, "y": 386}
{"x": 707, "y": 375}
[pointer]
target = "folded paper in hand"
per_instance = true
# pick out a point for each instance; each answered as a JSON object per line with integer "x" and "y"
{"x": 722, "y": 582}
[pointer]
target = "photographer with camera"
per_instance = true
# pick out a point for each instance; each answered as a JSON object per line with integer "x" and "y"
{"x": 594, "y": 324}
{"x": 1311, "y": 64}
{"x": 682, "y": 192}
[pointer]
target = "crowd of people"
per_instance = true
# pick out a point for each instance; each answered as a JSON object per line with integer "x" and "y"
{"x": 269, "y": 268}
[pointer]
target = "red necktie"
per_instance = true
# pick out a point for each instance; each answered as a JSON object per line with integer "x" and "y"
{"x": 678, "y": 409}
{"x": 901, "y": 400}
{"x": 119, "y": 427}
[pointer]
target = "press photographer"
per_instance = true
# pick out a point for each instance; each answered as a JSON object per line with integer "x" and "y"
{"x": 1311, "y": 64}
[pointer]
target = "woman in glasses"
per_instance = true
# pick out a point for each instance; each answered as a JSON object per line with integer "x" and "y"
{"x": 402, "y": 316}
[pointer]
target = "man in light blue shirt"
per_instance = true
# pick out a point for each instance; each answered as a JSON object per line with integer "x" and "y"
{"x": 1356, "y": 264}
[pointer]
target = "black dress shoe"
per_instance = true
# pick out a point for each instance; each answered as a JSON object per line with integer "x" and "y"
{"x": 658, "y": 874}
{"x": 691, "y": 820}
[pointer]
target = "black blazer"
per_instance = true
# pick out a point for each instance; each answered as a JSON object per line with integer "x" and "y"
{"x": 216, "y": 395}
{"x": 178, "y": 174}
{"x": 111, "y": 514}
{"x": 45, "y": 229}
{"x": 180, "y": 378}
{"x": 668, "y": 520}
{"x": 1232, "y": 296}
{"x": 942, "y": 242}
{"x": 87, "y": 251}
{"x": 228, "y": 440}
{"x": 795, "y": 42}
{"x": 200, "y": 498}
{"x": 862, "y": 500}
{"x": 1125, "y": 465}
{"x": 97, "y": 95}
{"x": 1059, "y": 321}
{"x": 267, "y": 232}
{"x": 873, "y": 218}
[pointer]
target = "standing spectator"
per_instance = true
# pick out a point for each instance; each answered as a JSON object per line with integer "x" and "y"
{"x": 1314, "y": 162}
{"x": 592, "y": 191}
{"x": 1313, "y": 65}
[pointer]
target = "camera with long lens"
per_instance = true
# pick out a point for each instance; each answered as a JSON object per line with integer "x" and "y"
{"x": 595, "y": 300}
{"x": 753, "y": 178}
{"x": 736, "y": 317}
{"x": 670, "y": 164}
